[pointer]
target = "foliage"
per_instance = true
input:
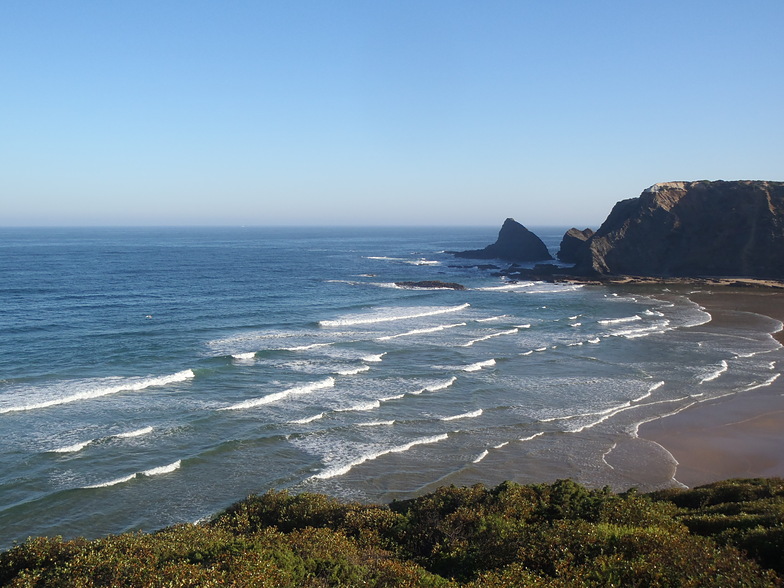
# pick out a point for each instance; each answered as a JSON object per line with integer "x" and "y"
{"x": 554, "y": 535}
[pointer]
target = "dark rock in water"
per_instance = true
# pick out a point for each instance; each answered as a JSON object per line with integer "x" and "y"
{"x": 572, "y": 243}
{"x": 691, "y": 229}
{"x": 515, "y": 243}
{"x": 431, "y": 284}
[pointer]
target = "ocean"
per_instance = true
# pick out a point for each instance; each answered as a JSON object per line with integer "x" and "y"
{"x": 153, "y": 376}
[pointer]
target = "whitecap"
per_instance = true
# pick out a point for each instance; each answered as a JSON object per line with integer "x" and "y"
{"x": 465, "y": 415}
{"x": 490, "y": 336}
{"x": 374, "y": 358}
{"x": 162, "y": 469}
{"x": 628, "y": 319}
{"x": 331, "y": 472}
{"x": 244, "y": 356}
{"x": 421, "y": 331}
{"x": 361, "y": 407}
{"x": 376, "y": 424}
{"x": 398, "y": 314}
{"x": 307, "y": 420}
{"x": 475, "y": 367}
{"x": 481, "y": 456}
{"x": 716, "y": 373}
{"x": 130, "y": 385}
{"x": 304, "y": 389}
{"x": 135, "y": 433}
{"x": 353, "y": 371}
{"x": 534, "y": 436}
{"x": 73, "y": 448}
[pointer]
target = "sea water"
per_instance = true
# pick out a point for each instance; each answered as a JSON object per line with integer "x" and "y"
{"x": 154, "y": 376}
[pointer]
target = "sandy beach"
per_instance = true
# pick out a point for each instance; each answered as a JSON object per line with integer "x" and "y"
{"x": 737, "y": 436}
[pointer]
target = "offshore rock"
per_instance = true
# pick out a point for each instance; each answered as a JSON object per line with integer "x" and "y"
{"x": 693, "y": 229}
{"x": 514, "y": 243}
{"x": 572, "y": 243}
{"x": 431, "y": 284}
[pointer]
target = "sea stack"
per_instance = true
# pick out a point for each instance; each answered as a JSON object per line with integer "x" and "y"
{"x": 514, "y": 243}
{"x": 693, "y": 229}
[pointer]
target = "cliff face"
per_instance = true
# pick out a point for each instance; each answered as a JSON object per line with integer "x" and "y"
{"x": 690, "y": 229}
{"x": 514, "y": 243}
{"x": 572, "y": 243}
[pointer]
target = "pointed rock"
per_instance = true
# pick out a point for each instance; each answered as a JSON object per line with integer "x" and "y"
{"x": 515, "y": 243}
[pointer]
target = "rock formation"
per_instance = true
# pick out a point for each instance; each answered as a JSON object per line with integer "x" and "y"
{"x": 691, "y": 229}
{"x": 514, "y": 243}
{"x": 430, "y": 284}
{"x": 571, "y": 244}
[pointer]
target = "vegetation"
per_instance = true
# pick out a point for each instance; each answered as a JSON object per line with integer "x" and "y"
{"x": 562, "y": 534}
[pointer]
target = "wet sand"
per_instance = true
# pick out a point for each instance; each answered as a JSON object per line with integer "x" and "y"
{"x": 736, "y": 436}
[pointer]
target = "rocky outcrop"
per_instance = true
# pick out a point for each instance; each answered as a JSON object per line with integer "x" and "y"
{"x": 514, "y": 243}
{"x": 572, "y": 243}
{"x": 430, "y": 284}
{"x": 691, "y": 229}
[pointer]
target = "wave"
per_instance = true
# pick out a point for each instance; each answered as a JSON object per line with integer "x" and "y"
{"x": 79, "y": 446}
{"x": 757, "y": 385}
{"x": 492, "y": 318}
{"x": 437, "y": 387}
{"x": 723, "y": 367}
{"x": 353, "y": 371}
{"x": 361, "y": 407}
{"x": 244, "y": 356}
{"x": 475, "y": 367}
{"x": 465, "y": 415}
{"x": 490, "y": 336}
{"x": 374, "y": 358}
{"x": 305, "y": 389}
{"x": 372, "y": 319}
{"x": 376, "y": 424}
{"x": 481, "y": 456}
{"x": 133, "y": 385}
{"x": 500, "y": 445}
{"x": 135, "y": 433}
{"x": 627, "y": 319}
{"x": 340, "y": 470}
{"x": 73, "y": 448}
{"x": 575, "y": 324}
{"x": 650, "y": 390}
{"x": 307, "y": 347}
{"x": 148, "y": 473}
{"x": 388, "y": 398}
{"x": 421, "y": 331}
{"x": 534, "y": 436}
{"x": 307, "y": 420}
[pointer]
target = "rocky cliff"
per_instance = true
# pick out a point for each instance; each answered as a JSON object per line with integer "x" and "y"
{"x": 693, "y": 229}
{"x": 572, "y": 243}
{"x": 514, "y": 243}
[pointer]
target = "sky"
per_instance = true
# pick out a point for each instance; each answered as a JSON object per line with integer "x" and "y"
{"x": 378, "y": 112}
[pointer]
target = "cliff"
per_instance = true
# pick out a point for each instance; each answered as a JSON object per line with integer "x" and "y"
{"x": 514, "y": 243}
{"x": 572, "y": 243}
{"x": 690, "y": 229}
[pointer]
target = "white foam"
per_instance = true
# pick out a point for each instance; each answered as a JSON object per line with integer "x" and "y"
{"x": 304, "y": 389}
{"x": 376, "y": 424}
{"x": 492, "y": 318}
{"x": 575, "y": 324}
{"x": 540, "y": 349}
{"x": 73, "y": 448}
{"x": 628, "y": 319}
{"x": 421, "y": 331}
{"x": 392, "y": 316}
{"x": 388, "y": 398}
{"x": 307, "y": 420}
{"x": 481, "y": 456}
{"x": 475, "y": 367}
{"x": 465, "y": 415}
{"x": 135, "y": 433}
{"x": 490, "y": 336}
{"x": 340, "y": 470}
{"x": 374, "y": 358}
{"x": 244, "y": 356}
{"x": 361, "y": 407}
{"x": 163, "y": 469}
{"x": 722, "y": 367}
{"x": 438, "y": 387}
{"x": 500, "y": 445}
{"x": 525, "y": 326}
{"x": 594, "y": 341}
{"x": 149, "y": 473}
{"x": 527, "y": 352}
{"x": 534, "y": 436}
{"x": 307, "y": 347}
{"x": 650, "y": 390}
{"x": 132, "y": 385}
{"x": 767, "y": 382}
{"x": 353, "y": 371}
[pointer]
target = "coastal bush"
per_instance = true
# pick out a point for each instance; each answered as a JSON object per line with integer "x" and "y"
{"x": 556, "y": 535}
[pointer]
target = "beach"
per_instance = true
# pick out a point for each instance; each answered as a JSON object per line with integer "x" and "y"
{"x": 738, "y": 436}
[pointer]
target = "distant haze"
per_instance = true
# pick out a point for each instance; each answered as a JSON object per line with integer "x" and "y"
{"x": 378, "y": 113}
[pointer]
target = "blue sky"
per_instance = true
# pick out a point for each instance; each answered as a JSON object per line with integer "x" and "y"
{"x": 378, "y": 112}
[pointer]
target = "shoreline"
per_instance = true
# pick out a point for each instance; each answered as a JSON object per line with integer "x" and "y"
{"x": 737, "y": 436}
